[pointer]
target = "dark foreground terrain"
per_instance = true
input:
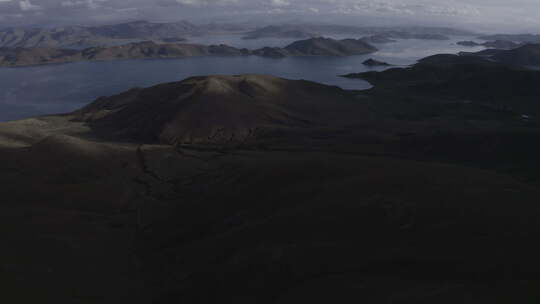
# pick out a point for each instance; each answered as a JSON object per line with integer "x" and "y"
{"x": 256, "y": 189}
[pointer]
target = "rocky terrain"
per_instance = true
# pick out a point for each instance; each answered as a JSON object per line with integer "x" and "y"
{"x": 137, "y": 50}
{"x": 257, "y": 189}
{"x": 148, "y": 49}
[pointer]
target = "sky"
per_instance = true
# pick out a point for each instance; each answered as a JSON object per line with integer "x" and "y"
{"x": 497, "y": 15}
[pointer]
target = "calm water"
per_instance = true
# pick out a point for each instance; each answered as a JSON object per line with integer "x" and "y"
{"x": 51, "y": 89}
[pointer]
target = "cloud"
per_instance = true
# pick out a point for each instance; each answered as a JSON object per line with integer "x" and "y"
{"x": 26, "y": 5}
{"x": 501, "y": 12}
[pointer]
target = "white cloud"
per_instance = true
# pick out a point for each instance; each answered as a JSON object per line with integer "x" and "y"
{"x": 92, "y": 4}
{"x": 280, "y": 3}
{"x": 26, "y": 5}
{"x": 503, "y": 12}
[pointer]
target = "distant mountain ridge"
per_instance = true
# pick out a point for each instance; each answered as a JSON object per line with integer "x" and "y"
{"x": 382, "y": 33}
{"x": 149, "y": 49}
{"x": 526, "y": 38}
{"x": 105, "y": 35}
{"x": 496, "y": 44}
{"x": 113, "y": 34}
{"x": 526, "y": 55}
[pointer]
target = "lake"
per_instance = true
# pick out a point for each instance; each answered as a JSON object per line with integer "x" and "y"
{"x": 49, "y": 89}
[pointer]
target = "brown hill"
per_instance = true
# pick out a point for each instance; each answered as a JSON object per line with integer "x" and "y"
{"x": 216, "y": 109}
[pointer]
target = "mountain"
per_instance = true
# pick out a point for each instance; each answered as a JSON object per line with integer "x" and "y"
{"x": 105, "y": 35}
{"x": 144, "y": 30}
{"x": 319, "y": 47}
{"x": 257, "y": 189}
{"x": 315, "y": 30}
{"x": 396, "y": 34}
{"x": 490, "y": 85}
{"x": 138, "y": 50}
{"x": 329, "y": 47}
{"x": 35, "y": 56}
{"x": 235, "y": 108}
{"x": 523, "y": 38}
{"x": 527, "y": 55}
{"x": 15, "y": 57}
{"x": 276, "y": 31}
{"x": 496, "y": 44}
{"x": 79, "y": 37}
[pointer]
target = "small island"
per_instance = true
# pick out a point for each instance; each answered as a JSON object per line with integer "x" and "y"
{"x": 373, "y": 63}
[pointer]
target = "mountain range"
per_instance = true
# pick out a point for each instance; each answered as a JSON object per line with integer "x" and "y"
{"x": 148, "y": 49}
{"x": 527, "y": 55}
{"x": 496, "y": 44}
{"x": 80, "y": 37}
{"x": 523, "y": 38}
{"x": 302, "y": 31}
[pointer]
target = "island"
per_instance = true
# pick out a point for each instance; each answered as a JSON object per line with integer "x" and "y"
{"x": 373, "y": 63}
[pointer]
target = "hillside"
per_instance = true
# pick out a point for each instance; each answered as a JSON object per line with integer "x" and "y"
{"x": 276, "y": 31}
{"x": 79, "y": 37}
{"x": 304, "y": 31}
{"x": 495, "y": 44}
{"x": 257, "y": 189}
{"x": 527, "y": 55}
{"x": 523, "y": 38}
{"x": 237, "y": 109}
{"x": 138, "y": 50}
{"x": 105, "y": 35}
{"x": 15, "y": 57}
{"x": 329, "y": 47}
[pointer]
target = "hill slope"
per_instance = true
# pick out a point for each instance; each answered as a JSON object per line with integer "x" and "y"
{"x": 216, "y": 109}
{"x": 257, "y": 189}
{"x": 526, "y": 55}
{"x": 105, "y": 35}
{"x": 14, "y": 57}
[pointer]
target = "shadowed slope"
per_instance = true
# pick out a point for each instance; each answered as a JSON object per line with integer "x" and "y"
{"x": 343, "y": 215}
{"x": 217, "y": 109}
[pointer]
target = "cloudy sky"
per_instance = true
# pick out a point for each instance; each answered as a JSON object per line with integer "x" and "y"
{"x": 517, "y": 14}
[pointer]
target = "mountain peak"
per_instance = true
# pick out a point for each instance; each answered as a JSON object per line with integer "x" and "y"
{"x": 212, "y": 109}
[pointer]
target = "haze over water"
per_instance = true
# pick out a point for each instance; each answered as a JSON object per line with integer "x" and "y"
{"x": 40, "y": 90}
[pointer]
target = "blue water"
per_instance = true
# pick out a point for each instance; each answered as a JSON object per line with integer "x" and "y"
{"x": 40, "y": 90}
